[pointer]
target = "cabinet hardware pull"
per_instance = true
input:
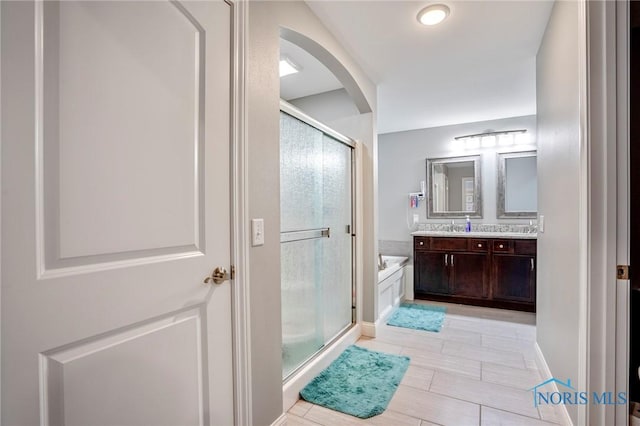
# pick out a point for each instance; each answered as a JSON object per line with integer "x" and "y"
{"x": 446, "y": 262}
{"x": 532, "y": 264}
{"x": 480, "y": 245}
{"x": 451, "y": 260}
{"x": 501, "y": 246}
{"x": 421, "y": 243}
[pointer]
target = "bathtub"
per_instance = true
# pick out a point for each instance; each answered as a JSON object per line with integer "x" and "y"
{"x": 391, "y": 284}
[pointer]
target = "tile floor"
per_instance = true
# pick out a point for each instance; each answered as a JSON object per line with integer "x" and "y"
{"x": 475, "y": 371}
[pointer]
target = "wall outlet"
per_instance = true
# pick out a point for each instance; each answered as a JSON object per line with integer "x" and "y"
{"x": 257, "y": 232}
{"x": 541, "y": 223}
{"x": 416, "y": 219}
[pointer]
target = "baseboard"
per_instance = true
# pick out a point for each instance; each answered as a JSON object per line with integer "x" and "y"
{"x": 368, "y": 329}
{"x": 293, "y": 386}
{"x": 543, "y": 367}
{"x": 280, "y": 421}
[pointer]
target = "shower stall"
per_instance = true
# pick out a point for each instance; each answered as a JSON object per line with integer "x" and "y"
{"x": 317, "y": 238}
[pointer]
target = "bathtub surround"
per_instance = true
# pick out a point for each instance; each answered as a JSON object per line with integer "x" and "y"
{"x": 393, "y": 282}
{"x": 360, "y": 382}
{"x": 402, "y": 165}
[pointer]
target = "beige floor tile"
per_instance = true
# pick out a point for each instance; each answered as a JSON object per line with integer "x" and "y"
{"x": 300, "y": 408}
{"x": 457, "y": 335}
{"x": 492, "y": 417}
{"x": 495, "y": 328}
{"x": 379, "y": 346}
{"x": 327, "y": 417}
{"x": 521, "y": 378}
{"x": 484, "y": 393}
{"x": 475, "y": 312}
{"x": 442, "y": 362}
{"x": 527, "y": 332}
{"x": 525, "y": 347}
{"x": 293, "y": 420}
{"x": 412, "y": 340}
{"x": 530, "y": 363}
{"x": 480, "y": 353}
{"x": 390, "y": 417}
{"x": 552, "y": 413}
{"x": 434, "y": 408}
{"x": 417, "y": 377}
{"x": 426, "y": 423}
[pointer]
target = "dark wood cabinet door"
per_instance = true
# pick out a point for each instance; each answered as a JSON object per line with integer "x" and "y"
{"x": 513, "y": 278}
{"x": 431, "y": 273}
{"x": 469, "y": 276}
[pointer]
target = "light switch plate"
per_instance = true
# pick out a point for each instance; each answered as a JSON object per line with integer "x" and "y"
{"x": 416, "y": 218}
{"x": 257, "y": 232}
{"x": 541, "y": 223}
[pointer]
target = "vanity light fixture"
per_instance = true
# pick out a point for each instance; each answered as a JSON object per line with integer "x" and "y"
{"x": 490, "y": 139}
{"x": 287, "y": 67}
{"x": 433, "y": 14}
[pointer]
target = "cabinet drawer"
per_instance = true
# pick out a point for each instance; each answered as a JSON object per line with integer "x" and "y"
{"x": 524, "y": 246}
{"x": 503, "y": 246}
{"x": 421, "y": 243}
{"x": 479, "y": 245}
{"x": 449, "y": 244}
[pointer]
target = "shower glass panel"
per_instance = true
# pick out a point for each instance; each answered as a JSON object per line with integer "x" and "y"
{"x": 316, "y": 239}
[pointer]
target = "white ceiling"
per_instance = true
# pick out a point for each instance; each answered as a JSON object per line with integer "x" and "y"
{"x": 479, "y": 64}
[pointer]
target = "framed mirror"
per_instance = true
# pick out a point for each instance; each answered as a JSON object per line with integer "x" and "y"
{"x": 454, "y": 187}
{"x": 517, "y": 185}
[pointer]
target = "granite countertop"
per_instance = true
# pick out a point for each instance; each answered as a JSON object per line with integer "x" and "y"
{"x": 475, "y": 234}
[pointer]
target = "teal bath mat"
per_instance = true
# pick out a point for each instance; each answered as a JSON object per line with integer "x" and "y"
{"x": 360, "y": 382}
{"x": 419, "y": 317}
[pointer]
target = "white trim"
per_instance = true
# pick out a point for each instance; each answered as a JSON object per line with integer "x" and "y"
{"x": 368, "y": 329}
{"x": 293, "y": 386}
{"x": 546, "y": 374}
{"x": 241, "y": 319}
{"x": 623, "y": 243}
{"x": 601, "y": 151}
{"x": 583, "y": 215}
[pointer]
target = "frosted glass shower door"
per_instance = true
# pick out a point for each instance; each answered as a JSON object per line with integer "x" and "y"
{"x": 316, "y": 241}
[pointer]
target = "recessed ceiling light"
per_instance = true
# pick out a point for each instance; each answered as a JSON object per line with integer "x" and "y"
{"x": 287, "y": 67}
{"x": 434, "y": 14}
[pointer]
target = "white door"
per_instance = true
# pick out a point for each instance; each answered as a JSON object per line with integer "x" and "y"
{"x": 115, "y": 207}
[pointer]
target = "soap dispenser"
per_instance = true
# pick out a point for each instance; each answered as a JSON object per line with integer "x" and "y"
{"x": 467, "y": 227}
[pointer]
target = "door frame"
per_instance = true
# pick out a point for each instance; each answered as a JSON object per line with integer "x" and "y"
{"x": 607, "y": 149}
{"x": 240, "y": 320}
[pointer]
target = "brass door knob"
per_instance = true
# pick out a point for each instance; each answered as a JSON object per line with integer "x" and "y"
{"x": 218, "y": 276}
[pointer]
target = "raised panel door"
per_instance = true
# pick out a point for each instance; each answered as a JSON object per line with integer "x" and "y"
{"x": 432, "y": 273}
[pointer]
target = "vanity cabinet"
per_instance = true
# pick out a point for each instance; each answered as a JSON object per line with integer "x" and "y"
{"x": 487, "y": 272}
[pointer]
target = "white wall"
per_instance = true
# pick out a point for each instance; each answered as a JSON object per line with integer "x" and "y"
{"x": 402, "y": 165}
{"x": 263, "y": 104}
{"x": 558, "y": 290}
{"x": 327, "y": 107}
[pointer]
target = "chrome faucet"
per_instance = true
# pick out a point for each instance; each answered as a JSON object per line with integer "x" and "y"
{"x": 381, "y": 263}
{"x": 452, "y": 227}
